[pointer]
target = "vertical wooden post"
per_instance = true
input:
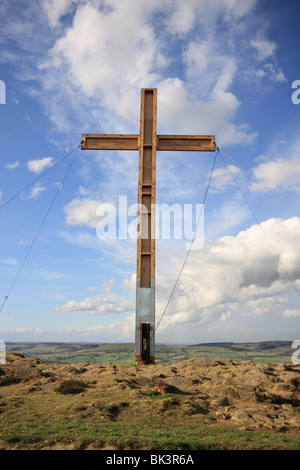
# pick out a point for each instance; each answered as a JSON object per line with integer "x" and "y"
{"x": 145, "y": 287}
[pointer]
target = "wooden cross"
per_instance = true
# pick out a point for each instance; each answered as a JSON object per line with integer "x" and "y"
{"x": 147, "y": 142}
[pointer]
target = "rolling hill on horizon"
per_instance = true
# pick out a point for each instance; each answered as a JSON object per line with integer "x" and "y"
{"x": 122, "y": 353}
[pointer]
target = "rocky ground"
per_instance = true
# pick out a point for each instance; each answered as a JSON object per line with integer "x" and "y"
{"x": 240, "y": 394}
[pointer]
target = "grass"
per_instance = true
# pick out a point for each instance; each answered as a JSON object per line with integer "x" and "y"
{"x": 104, "y": 416}
{"x": 99, "y": 419}
{"x": 151, "y": 435}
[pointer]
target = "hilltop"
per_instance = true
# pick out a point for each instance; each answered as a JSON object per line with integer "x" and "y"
{"x": 192, "y": 404}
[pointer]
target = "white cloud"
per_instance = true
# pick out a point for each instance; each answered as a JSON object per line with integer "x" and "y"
{"x": 281, "y": 173}
{"x": 239, "y": 8}
{"x": 36, "y": 190}
{"x": 38, "y": 165}
{"x": 225, "y": 316}
{"x": 97, "y": 62}
{"x": 197, "y": 57}
{"x": 12, "y": 166}
{"x": 90, "y": 289}
{"x": 24, "y": 331}
{"x": 82, "y": 212}
{"x": 11, "y": 261}
{"x": 183, "y": 16}
{"x": 264, "y": 47}
{"x": 222, "y": 177}
{"x": 234, "y": 274}
{"x": 55, "y": 9}
{"x": 83, "y": 191}
{"x": 131, "y": 282}
{"x": 274, "y": 73}
{"x": 186, "y": 15}
{"x": 104, "y": 303}
{"x": 185, "y": 115}
{"x": 100, "y": 56}
{"x": 266, "y": 55}
{"x": 291, "y": 313}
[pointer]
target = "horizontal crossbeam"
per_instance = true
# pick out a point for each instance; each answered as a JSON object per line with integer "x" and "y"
{"x": 109, "y": 142}
{"x": 204, "y": 143}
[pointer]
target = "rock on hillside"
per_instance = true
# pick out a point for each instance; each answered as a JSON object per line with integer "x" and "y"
{"x": 238, "y": 393}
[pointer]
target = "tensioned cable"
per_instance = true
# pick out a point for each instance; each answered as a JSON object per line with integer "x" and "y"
{"x": 190, "y": 247}
{"x": 188, "y": 251}
{"x": 267, "y": 238}
{"x": 39, "y": 177}
{"x": 40, "y": 228}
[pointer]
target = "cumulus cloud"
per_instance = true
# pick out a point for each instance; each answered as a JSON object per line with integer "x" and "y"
{"x": 100, "y": 56}
{"x": 38, "y": 165}
{"x": 281, "y": 173}
{"x": 291, "y": 313}
{"x": 208, "y": 116}
{"x": 104, "y": 303}
{"x": 234, "y": 274}
{"x": 82, "y": 212}
{"x": 107, "y": 65}
{"x": 109, "y": 50}
{"x": 232, "y": 277}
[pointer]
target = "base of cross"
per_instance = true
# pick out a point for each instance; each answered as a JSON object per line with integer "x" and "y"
{"x": 140, "y": 360}
{"x": 144, "y": 352}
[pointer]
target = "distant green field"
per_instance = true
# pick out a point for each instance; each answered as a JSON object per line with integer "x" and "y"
{"x": 70, "y": 353}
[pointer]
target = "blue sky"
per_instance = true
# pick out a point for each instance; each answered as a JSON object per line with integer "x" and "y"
{"x": 224, "y": 67}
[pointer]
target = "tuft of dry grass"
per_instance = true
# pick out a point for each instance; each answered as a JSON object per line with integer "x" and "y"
{"x": 71, "y": 386}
